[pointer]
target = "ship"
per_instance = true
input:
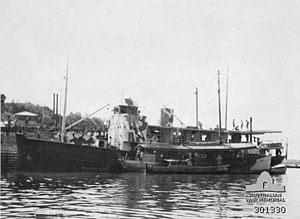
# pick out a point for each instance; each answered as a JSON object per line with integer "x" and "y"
{"x": 133, "y": 144}
{"x": 40, "y": 155}
{"x": 143, "y": 144}
{"x": 61, "y": 154}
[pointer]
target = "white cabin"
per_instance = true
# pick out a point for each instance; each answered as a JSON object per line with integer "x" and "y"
{"x": 126, "y": 127}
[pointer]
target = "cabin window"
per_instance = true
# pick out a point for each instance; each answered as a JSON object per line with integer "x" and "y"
{"x": 123, "y": 109}
{"x": 173, "y": 163}
{"x": 244, "y": 138}
{"x": 229, "y": 139}
{"x": 128, "y": 109}
{"x": 165, "y": 163}
{"x": 132, "y": 110}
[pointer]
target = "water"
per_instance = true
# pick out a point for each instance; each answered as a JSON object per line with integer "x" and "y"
{"x": 135, "y": 195}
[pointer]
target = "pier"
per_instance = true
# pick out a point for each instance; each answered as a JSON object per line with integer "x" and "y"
{"x": 9, "y": 152}
{"x": 292, "y": 163}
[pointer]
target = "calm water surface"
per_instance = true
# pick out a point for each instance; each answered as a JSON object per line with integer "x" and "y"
{"x": 135, "y": 195}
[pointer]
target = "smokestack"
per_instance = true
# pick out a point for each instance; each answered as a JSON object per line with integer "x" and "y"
{"x": 53, "y": 104}
{"x": 56, "y": 104}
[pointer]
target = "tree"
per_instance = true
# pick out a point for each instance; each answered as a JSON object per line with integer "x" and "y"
{"x": 72, "y": 118}
{"x": 46, "y": 116}
{"x": 3, "y": 98}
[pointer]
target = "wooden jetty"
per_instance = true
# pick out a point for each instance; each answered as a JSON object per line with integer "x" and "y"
{"x": 292, "y": 163}
{"x": 9, "y": 152}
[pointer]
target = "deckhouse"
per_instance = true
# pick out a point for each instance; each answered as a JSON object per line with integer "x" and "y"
{"x": 126, "y": 127}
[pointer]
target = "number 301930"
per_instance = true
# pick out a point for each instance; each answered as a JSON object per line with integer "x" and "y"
{"x": 269, "y": 210}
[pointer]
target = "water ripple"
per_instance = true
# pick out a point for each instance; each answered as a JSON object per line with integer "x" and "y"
{"x": 132, "y": 195}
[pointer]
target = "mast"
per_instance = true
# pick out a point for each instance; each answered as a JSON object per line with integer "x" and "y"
{"x": 220, "y": 122}
{"x": 286, "y": 149}
{"x": 53, "y": 105}
{"x": 196, "y": 106}
{"x": 63, "y": 124}
{"x": 56, "y": 107}
{"x": 226, "y": 109}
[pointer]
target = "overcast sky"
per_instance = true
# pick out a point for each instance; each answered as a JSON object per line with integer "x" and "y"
{"x": 158, "y": 52}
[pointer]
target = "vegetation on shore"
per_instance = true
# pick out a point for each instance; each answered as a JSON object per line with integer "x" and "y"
{"x": 47, "y": 118}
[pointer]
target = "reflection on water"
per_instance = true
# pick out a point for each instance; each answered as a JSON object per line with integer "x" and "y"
{"x": 82, "y": 195}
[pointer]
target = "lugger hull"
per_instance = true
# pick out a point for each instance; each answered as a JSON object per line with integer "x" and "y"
{"x": 188, "y": 170}
{"x": 43, "y": 155}
{"x": 254, "y": 164}
{"x": 132, "y": 165}
{"x": 261, "y": 164}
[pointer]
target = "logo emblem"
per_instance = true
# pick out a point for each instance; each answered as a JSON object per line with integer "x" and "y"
{"x": 265, "y": 183}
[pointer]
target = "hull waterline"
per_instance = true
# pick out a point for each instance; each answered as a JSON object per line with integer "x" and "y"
{"x": 42, "y": 155}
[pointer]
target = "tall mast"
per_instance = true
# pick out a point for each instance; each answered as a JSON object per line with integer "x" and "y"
{"x": 53, "y": 105}
{"x": 196, "y": 106}
{"x": 220, "y": 121}
{"x": 63, "y": 124}
{"x": 226, "y": 109}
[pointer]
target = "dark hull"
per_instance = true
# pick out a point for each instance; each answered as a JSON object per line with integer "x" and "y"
{"x": 132, "y": 165}
{"x": 277, "y": 160}
{"x": 51, "y": 156}
{"x": 278, "y": 169}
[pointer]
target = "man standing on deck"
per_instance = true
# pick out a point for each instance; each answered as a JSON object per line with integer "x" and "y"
{"x": 233, "y": 124}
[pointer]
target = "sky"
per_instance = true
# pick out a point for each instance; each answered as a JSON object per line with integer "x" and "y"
{"x": 157, "y": 52}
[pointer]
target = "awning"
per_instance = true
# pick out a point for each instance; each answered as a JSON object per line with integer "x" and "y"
{"x": 26, "y": 113}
